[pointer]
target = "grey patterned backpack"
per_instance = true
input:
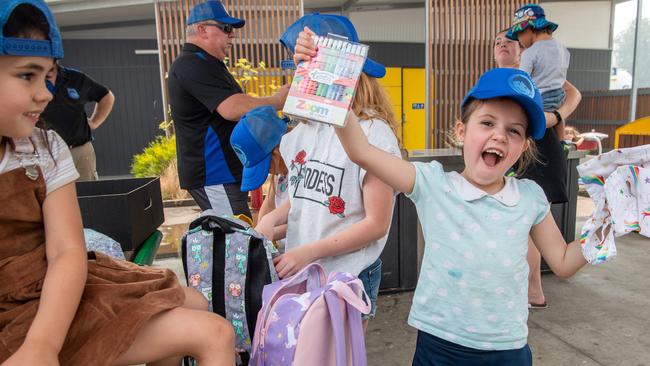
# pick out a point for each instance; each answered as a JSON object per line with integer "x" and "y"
{"x": 229, "y": 263}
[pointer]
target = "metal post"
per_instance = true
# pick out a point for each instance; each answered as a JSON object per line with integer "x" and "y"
{"x": 633, "y": 90}
{"x": 427, "y": 77}
{"x": 161, "y": 49}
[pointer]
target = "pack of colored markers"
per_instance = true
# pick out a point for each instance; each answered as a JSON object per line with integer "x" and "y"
{"x": 323, "y": 88}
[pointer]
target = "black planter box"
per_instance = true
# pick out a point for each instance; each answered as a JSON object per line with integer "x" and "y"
{"x": 127, "y": 210}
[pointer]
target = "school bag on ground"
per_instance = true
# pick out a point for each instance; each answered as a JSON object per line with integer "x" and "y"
{"x": 229, "y": 263}
{"x": 98, "y": 242}
{"x": 310, "y": 320}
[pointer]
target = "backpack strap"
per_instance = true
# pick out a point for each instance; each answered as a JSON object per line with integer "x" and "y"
{"x": 235, "y": 287}
{"x": 354, "y": 306}
{"x": 198, "y": 251}
{"x": 270, "y": 250}
{"x": 211, "y": 222}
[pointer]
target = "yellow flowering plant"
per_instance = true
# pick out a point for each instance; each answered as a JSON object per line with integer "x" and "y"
{"x": 248, "y": 77}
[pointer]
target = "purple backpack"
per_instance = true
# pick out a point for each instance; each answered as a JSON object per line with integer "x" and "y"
{"x": 310, "y": 320}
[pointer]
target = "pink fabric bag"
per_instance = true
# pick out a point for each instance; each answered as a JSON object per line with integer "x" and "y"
{"x": 310, "y": 320}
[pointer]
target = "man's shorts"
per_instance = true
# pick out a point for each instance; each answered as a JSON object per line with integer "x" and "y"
{"x": 224, "y": 199}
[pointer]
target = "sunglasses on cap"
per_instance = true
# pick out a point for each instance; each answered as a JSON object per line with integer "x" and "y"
{"x": 226, "y": 28}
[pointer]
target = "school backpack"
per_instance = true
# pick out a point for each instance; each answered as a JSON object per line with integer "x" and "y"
{"x": 229, "y": 263}
{"x": 310, "y": 320}
{"x": 98, "y": 242}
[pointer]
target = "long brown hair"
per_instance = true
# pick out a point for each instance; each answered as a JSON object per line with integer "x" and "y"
{"x": 371, "y": 101}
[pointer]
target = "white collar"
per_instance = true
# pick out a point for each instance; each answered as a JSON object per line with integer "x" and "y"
{"x": 508, "y": 195}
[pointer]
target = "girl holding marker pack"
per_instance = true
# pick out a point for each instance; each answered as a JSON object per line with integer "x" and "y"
{"x": 336, "y": 214}
{"x": 471, "y": 305}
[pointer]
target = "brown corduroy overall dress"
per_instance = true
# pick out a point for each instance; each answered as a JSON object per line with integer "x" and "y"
{"x": 118, "y": 299}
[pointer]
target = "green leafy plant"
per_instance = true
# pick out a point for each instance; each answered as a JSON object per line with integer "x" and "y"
{"x": 155, "y": 158}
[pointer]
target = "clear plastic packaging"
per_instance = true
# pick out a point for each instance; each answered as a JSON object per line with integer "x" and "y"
{"x": 323, "y": 88}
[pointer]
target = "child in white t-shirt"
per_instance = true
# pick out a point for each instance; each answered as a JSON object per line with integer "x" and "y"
{"x": 337, "y": 214}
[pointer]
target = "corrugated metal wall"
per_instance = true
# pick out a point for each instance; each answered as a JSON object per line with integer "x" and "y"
{"x": 397, "y": 54}
{"x": 135, "y": 81}
{"x": 590, "y": 69}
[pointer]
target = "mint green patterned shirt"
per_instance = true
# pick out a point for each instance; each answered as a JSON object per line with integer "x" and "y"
{"x": 473, "y": 284}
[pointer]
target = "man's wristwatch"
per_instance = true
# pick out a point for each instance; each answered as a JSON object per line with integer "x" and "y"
{"x": 558, "y": 116}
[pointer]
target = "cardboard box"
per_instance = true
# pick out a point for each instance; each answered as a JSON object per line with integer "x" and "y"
{"x": 127, "y": 210}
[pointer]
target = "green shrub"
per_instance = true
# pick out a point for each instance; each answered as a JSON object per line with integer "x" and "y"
{"x": 155, "y": 158}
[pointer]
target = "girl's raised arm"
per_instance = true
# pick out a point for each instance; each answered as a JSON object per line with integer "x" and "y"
{"x": 564, "y": 260}
{"x": 390, "y": 169}
{"x": 394, "y": 171}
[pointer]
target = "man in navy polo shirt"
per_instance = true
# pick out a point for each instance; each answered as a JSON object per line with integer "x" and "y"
{"x": 206, "y": 103}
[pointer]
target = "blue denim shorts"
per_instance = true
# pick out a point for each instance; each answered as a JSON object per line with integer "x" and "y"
{"x": 433, "y": 351}
{"x": 553, "y": 99}
{"x": 371, "y": 278}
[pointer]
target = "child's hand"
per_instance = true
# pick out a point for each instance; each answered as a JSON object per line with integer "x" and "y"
{"x": 305, "y": 48}
{"x": 289, "y": 263}
{"x": 33, "y": 355}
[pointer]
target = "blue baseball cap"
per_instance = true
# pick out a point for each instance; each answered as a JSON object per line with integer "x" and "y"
{"x": 254, "y": 137}
{"x": 516, "y": 85}
{"x": 213, "y": 10}
{"x": 322, "y": 24}
{"x": 529, "y": 16}
{"x": 25, "y": 46}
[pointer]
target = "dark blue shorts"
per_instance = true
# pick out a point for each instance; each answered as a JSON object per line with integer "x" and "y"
{"x": 434, "y": 351}
{"x": 371, "y": 278}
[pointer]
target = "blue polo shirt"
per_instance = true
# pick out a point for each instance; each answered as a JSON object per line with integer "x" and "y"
{"x": 473, "y": 284}
{"x": 198, "y": 83}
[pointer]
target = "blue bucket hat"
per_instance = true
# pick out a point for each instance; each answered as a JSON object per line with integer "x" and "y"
{"x": 30, "y": 47}
{"x": 257, "y": 133}
{"x": 516, "y": 85}
{"x": 532, "y": 16}
{"x": 322, "y": 24}
{"x": 213, "y": 10}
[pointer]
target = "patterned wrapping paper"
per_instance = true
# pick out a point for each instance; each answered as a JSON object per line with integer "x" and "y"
{"x": 619, "y": 184}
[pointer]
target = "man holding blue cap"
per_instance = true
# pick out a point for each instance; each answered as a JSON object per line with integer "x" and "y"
{"x": 206, "y": 104}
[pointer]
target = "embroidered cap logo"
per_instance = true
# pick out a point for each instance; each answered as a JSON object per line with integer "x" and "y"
{"x": 240, "y": 154}
{"x": 522, "y": 85}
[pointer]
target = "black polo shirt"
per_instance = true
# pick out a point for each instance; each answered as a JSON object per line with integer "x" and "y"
{"x": 198, "y": 83}
{"x": 66, "y": 113}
